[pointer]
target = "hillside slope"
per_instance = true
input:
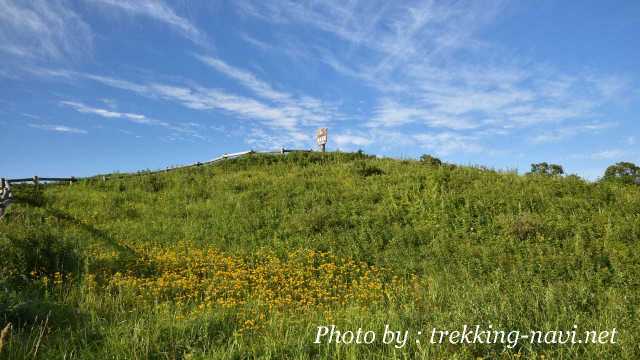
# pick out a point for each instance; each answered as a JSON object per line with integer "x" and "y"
{"x": 251, "y": 255}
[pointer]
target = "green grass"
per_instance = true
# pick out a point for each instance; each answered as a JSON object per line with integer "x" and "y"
{"x": 468, "y": 245}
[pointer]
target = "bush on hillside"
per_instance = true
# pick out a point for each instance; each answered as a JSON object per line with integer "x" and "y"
{"x": 526, "y": 226}
{"x": 624, "y": 172}
{"x": 546, "y": 169}
{"x": 430, "y": 160}
{"x": 25, "y": 311}
{"x": 365, "y": 170}
{"x": 35, "y": 253}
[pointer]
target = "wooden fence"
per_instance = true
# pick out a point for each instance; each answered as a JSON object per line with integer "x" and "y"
{"x": 5, "y": 196}
{"x": 5, "y": 184}
{"x": 223, "y": 157}
{"x": 37, "y": 180}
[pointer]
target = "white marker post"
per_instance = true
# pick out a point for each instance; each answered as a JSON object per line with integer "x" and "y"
{"x": 321, "y": 138}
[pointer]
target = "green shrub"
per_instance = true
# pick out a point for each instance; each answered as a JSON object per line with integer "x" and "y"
{"x": 624, "y": 172}
{"x": 546, "y": 169}
{"x": 526, "y": 226}
{"x": 430, "y": 160}
{"x": 35, "y": 251}
{"x": 365, "y": 170}
{"x": 22, "y": 310}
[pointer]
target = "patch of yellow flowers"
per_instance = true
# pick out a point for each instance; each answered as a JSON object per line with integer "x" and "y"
{"x": 56, "y": 279}
{"x": 206, "y": 278}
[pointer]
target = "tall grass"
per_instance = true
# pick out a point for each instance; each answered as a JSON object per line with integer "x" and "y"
{"x": 438, "y": 246}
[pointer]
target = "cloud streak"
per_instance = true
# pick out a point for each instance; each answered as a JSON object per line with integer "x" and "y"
{"x": 158, "y": 10}
{"x": 279, "y": 111}
{"x": 82, "y": 108}
{"x": 186, "y": 129}
{"x": 446, "y": 143}
{"x": 608, "y": 154}
{"x": 58, "y": 128}
{"x": 559, "y": 134}
{"x": 309, "y": 110}
{"x": 350, "y": 140}
{"x": 42, "y": 30}
{"x": 245, "y": 78}
{"x": 285, "y": 118}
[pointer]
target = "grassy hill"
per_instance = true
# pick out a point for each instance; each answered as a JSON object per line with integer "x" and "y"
{"x": 246, "y": 258}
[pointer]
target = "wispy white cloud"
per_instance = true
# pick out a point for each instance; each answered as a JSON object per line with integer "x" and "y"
{"x": 390, "y": 113}
{"x": 58, "y": 128}
{"x": 47, "y": 73}
{"x": 42, "y": 29}
{"x": 441, "y": 143}
{"x": 256, "y": 42}
{"x": 446, "y": 143}
{"x": 267, "y": 139}
{"x": 186, "y": 129}
{"x": 115, "y": 83}
{"x": 608, "y": 154}
{"x": 111, "y": 103}
{"x": 309, "y": 110}
{"x": 502, "y": 97}
{"x": 284, "y": 120}
{"x": 348, "y": 141}
{"x": 282, "y": 111}
{"x": 395, "y": 31}
{"x": 200, "y": 98}
{"x": 32, "y": 116}
{"x": 562, "y": 133}
{"x": 158, "y": 10}
{"x": 82, "y": 108}
{"x": 245, "y": 78}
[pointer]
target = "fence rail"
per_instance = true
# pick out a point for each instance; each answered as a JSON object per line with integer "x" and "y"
{"x": 5, "y": 184}
{"x": 37, "y": 179}
{"x": 225, "y": 156}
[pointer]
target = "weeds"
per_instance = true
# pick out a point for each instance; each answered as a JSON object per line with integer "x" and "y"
{"x": 246, "y": 258}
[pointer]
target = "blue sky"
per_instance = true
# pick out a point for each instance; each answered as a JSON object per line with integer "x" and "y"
{"x": 97, "y": 86}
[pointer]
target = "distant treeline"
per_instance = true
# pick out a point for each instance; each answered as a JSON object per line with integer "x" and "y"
{"x": 623, "y": 172}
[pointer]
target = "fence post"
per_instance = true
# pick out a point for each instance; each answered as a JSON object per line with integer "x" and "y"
{"x": 35, "y": 180}
{"x": 281, "y": 150}
{"x": 73, "y": 178}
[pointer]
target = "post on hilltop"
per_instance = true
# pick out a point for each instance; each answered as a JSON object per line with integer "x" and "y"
{"x": 321, "y": 138}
